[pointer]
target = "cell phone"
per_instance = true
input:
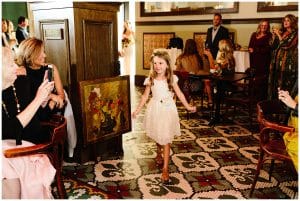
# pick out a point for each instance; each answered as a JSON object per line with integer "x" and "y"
{"x": 50, "y": 73}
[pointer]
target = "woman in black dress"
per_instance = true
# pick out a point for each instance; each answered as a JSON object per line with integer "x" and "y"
{"x": 31, "y": 55}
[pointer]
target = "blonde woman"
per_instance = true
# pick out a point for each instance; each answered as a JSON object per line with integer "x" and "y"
{"x": 224, "y": 60}
{"x": 31, "y": 55}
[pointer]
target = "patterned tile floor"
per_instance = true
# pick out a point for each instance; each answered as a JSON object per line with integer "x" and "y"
{"x": 206, "y": 162}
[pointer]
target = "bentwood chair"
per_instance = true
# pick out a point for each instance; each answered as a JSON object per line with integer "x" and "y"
{"x": 191, "y": 86}
{"x": 54, "y": 149}
{"x": 271, "y": 115}
{"x": 246, "y": 94}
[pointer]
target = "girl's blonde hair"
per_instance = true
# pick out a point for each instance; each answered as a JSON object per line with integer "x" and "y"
{"x": 28, "y": 51}
{"x": 225, "y": 53}
{"x": 163, "y": 54}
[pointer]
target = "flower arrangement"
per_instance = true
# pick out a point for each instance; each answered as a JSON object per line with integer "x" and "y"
{"x": 125, "y": 42}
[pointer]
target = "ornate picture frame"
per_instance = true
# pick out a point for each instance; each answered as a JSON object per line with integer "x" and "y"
{"x": 105, "y": 106}
{"x": 153, "y": 41}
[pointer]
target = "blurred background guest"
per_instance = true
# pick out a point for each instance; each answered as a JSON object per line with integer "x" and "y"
{"x": 127, "y": 47}
{"x": 215, "y": 34}
{"x": 191, "y": 61}
{"x": 284, "y": 62}
{"x": 260, "y": 52}
{"x": 21, "y": 32}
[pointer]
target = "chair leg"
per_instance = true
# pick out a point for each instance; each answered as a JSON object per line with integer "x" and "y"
{"x": 58, "y": 159}
{"x": 271, "y": 168}
{"x": 259, "y": 166}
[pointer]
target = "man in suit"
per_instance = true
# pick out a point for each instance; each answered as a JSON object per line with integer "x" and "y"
{"x": 21, "y": 32}
{"x": 215, "y": 34}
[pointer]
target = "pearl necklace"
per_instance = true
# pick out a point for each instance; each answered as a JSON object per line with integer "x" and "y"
{"x": 17, "y": 102}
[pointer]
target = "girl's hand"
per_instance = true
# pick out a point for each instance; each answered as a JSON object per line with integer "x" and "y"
{"x": 192, "y": 109}
{"x": 250, "y": 49}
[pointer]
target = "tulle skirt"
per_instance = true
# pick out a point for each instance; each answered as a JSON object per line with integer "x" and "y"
{"x": 161, "y": 121}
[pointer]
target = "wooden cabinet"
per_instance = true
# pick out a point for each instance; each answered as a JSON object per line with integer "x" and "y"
{"x": 81, "y": 40}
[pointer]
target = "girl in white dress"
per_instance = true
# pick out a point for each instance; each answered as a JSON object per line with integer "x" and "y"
{"x": 161, "y": 119}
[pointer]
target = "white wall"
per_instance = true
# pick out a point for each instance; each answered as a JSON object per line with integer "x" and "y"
{"x": 247, "y": 10}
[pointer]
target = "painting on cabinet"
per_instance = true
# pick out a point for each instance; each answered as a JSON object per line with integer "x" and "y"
{"x": 105, "y": 105}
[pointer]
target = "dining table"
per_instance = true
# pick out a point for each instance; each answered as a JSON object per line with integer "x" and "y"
{"x": 221, "y": 81}
{"x": 242, "y": 60}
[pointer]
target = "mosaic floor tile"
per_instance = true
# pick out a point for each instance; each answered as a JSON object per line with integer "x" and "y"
{"x": 116, "y": 170}
{"x": 194, "y": 162}
{"x": 216, "y": 144}
{"x": 241, "y": 177}
{"x": 186, "y": 135}
{"x": 230, "y": 194}
{"x": 152, "y": 188}
{"x": 232, "y": 130}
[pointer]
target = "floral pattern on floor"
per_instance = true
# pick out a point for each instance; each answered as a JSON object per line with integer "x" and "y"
{"x": 205, "y": 163}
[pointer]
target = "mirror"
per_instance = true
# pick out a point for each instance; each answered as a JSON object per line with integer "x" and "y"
{"x": 186, "y": 8}
{"x": 269, "y": 6}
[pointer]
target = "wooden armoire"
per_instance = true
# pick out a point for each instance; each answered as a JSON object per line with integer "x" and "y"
{"x": 81, "y": 40}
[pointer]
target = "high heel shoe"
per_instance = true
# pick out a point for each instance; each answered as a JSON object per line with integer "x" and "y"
{"x": 165, "y": 176}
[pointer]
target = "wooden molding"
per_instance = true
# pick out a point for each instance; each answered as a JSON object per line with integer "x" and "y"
{"x": 205, "y": 22}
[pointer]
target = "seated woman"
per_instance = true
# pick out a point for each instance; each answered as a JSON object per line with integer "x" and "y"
{"x": 291, "y": 139}
{"x": 191, "y": 61}
{"x": 20, "y": 123}
{"x": 31, "y": 55}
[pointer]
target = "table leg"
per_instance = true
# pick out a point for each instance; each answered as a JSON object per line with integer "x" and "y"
{"x": 216, "y": 116}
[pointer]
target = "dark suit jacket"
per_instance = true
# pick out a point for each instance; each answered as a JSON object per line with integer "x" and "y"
{"x": 21, "y": 34}
{"x": 213, "y": 45}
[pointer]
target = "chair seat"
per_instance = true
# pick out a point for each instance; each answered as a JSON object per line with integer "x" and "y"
{"x": 276, "y": 148}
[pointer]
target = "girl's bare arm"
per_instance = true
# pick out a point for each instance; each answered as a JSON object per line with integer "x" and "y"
{"x": 144, "y": 98}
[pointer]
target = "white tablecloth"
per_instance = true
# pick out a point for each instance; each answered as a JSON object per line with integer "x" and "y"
{"x": 242, "y": 60}
{"x": 174, "y": 53}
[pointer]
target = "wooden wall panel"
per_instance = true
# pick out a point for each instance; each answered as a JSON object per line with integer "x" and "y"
{"x": 99, "y": 50}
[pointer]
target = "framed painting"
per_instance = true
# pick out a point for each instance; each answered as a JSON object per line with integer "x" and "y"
{"x": 105, "y": 105}
{"x": 200, "y": 37}
{"x": 153, "y": 41}
{"x": 166, "y": 8}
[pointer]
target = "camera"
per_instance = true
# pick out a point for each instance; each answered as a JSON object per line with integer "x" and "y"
{"x": 50, "y": 73}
